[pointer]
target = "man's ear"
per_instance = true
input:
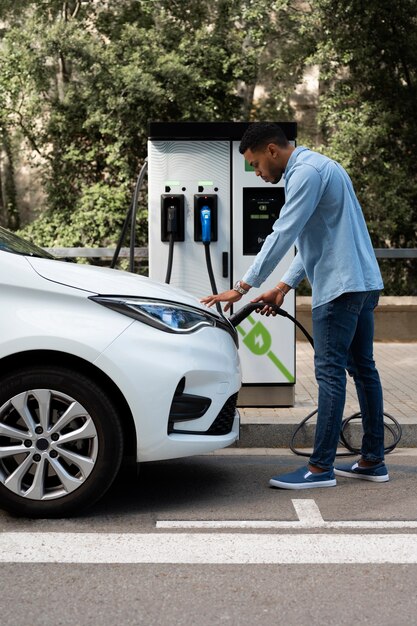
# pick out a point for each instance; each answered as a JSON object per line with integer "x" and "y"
{"x": 273, "y": 150}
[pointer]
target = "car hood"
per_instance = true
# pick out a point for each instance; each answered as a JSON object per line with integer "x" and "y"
{"x": 104, "y": 281}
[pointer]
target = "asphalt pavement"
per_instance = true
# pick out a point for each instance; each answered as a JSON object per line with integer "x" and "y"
{"x": 205, "y": 540}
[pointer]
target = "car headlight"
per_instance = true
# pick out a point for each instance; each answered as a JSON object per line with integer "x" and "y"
{"x": 171, "y": 317}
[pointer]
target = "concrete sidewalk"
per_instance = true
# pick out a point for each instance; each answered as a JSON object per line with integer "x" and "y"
{"x": 397, "y": 365}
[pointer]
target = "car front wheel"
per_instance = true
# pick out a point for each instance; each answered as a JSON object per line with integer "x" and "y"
{"x": 61, "y": 442}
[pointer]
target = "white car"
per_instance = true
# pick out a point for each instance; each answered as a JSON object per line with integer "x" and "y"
{"x": 96, "y": 365}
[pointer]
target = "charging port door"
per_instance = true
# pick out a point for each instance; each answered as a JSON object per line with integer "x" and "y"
{"x": 201, "y": 201}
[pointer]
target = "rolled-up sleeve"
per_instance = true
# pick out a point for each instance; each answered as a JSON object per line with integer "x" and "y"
{"x": 303, "y": 192}
{"x": 295, "y": 273}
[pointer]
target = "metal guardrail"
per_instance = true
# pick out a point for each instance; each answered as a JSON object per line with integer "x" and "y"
{"x": 95, "y": 253}
{"x": 142, "y": 253}
{"x": 395, "y": 265}
{"x": 396, "y": 253}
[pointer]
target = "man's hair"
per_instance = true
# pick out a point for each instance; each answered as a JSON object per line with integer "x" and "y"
{"x": 260, "y": 134}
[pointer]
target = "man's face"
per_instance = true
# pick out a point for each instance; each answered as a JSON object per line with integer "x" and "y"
{"x": 268, "y": 162}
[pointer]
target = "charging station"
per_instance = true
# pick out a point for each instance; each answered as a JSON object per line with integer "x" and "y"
{"x": 208, "y": 208}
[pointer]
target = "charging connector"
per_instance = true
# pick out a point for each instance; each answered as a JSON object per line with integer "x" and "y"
{"x": 172, "y": 225}
{"x": 206, "y": 233}
{"x": 205, "y": 202}
{"x": 205, "y": 215}
{"x": 172, "y": 220}
{"x": 172, "y": 217}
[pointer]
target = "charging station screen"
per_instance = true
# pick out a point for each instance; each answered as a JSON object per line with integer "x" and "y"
{"x": 261, "y": 208}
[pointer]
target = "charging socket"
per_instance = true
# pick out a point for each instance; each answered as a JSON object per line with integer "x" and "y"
{"x": 200, "y": 201}
{"x": 172, "y": 216}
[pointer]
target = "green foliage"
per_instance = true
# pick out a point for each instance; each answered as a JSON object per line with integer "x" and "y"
{"x": 80, "y": 81}
{"x": 99, "y": 213}
{"x": 368, "y": 58}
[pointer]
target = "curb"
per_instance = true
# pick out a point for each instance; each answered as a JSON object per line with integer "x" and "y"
{"x": 273, "y": 435}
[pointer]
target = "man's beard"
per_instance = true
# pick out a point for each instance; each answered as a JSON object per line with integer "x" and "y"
{"x": 277, "y": 177}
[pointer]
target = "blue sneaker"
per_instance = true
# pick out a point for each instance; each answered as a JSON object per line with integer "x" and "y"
{"x": 376, "y": 473}
{"x": 304, "y": 479}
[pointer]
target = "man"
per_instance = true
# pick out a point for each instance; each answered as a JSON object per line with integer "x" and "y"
{"x": 322, "y": 216}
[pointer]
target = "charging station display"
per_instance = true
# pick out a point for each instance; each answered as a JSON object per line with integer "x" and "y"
{"x": 207, "y": 207}
{"x": 261, "y": 209}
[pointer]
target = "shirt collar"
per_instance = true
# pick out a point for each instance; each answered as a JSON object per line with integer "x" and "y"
{"x": 293, "y": 158}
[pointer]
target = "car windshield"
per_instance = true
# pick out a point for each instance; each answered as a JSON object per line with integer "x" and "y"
{"x": 9, "y": 242}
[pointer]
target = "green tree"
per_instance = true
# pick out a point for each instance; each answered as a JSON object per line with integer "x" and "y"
{"x": 368, "y": 58}
{"x": 80, "y": 81}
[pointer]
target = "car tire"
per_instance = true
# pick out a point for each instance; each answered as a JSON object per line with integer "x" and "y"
{"x": 61, "y": 442}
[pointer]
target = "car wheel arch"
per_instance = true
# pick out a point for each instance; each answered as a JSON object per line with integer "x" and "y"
{"x": 39, "y": 358}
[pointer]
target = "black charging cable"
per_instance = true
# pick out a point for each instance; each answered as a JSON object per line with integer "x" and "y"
{"x": 246, "y": 310}
{"x": 394, "y": 429}
{"x": 205, "y": 217}
{"x": 131, "y": 217}
{"x": 211, "y": 275}
{"x": 172, "y": 228}
{"x": 170, "y": 257}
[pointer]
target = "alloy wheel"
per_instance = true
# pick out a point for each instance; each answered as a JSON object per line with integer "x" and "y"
{"x": 48, "y": 444}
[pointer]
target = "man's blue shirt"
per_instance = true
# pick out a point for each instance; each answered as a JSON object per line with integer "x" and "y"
{"x": 323, "y": 217}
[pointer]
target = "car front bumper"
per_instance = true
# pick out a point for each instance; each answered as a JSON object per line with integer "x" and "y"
{"x": 148, "y": 365}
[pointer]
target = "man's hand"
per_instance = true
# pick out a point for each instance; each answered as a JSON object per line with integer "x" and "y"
{"x": 229, "y": 297}
{"x": 271, "y": 297}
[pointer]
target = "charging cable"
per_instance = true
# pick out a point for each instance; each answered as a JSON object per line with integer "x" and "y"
{"x": 172, "y": 228}
{"x": 205, "y": 216}
{"x": 394, "y": 429}
{"x": 131, "y": 216}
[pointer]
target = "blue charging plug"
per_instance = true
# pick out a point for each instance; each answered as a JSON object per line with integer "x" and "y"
{"x": 205, "y": 215}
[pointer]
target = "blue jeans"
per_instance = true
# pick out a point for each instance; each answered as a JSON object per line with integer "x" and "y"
{"x": 343, "y": 332}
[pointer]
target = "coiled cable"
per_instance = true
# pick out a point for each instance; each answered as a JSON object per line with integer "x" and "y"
{"x": 394, "y": 429}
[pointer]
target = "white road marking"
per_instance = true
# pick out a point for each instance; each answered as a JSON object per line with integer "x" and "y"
{"x": 238, "y": 548}
{"x": 309, "y": 516}
{"x": 216, "y": 548}
{"x": 308, "y": 512}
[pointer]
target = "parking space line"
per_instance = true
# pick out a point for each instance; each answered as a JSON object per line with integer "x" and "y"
{"x": 308, "y": 512}
{"x": 309, "y": 516}
{"x": 215, "y": 548}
